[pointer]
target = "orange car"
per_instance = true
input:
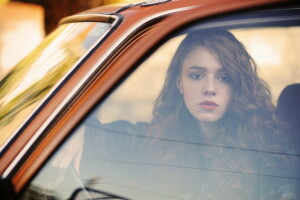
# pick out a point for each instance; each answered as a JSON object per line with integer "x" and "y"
{"x": 162, "y": 99}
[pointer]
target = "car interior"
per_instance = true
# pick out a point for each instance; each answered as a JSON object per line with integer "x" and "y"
{"x": 288, "y": 112}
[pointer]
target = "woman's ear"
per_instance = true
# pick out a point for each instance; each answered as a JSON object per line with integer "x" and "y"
{"x": 179, "y": 85}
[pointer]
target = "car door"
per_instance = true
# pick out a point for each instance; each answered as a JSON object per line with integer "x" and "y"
{"x": 115, "y": 152}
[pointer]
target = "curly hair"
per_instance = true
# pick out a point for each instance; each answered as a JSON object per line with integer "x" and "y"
{"x": 250, "y": 122}
{"x": 250, "y": 108}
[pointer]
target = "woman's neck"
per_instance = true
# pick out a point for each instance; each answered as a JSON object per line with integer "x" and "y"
{"x": 209, "y": 130}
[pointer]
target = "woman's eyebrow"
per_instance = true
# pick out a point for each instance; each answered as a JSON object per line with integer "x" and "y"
{"x": 198, "y": 68}
{"x": 221, "y": 70}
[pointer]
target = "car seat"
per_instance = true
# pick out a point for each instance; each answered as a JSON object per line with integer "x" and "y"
{"x": 288, "y": 108}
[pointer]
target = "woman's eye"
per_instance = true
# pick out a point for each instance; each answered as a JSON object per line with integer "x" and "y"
{"x": 224, "y": 78}
{"x": 196, "y": 76}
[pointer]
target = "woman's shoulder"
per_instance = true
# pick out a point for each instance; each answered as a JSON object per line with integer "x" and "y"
{"x": 115, "y": 126}
{"x": 113, "y": 138}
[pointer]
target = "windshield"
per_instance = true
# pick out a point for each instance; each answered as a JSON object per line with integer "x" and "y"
{"x": 24, "y": 88}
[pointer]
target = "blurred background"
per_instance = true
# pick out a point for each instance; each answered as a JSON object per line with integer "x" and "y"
{"x": 24, "y": 23}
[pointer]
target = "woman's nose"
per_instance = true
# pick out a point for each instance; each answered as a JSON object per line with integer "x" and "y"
{"x": 210, "y": 88}
{"x": 210, "y": 93}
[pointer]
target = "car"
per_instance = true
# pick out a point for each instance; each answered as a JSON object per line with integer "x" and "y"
{"x": 75, "y": 113}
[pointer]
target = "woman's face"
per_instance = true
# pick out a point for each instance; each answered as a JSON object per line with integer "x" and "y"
{"x": 205, "y": 86}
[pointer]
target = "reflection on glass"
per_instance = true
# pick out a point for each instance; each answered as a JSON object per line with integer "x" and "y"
{"x": 26, "y": 85}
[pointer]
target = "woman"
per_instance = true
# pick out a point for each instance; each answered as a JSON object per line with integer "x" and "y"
{"x": 213, "y": 97}
{"x": 247, "y": 105}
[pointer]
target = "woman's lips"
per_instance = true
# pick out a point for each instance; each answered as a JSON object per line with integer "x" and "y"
{"x": 208, "y": 105}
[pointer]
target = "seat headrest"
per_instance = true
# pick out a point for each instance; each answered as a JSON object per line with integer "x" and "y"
{"x": 288, "y": 105}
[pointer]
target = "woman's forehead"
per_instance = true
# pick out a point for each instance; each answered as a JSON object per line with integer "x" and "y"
{"x": 202, "y": 57}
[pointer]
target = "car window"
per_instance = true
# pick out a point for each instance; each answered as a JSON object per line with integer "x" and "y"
{"x": 41, "y": 70}
{"x": 198, "y": 119}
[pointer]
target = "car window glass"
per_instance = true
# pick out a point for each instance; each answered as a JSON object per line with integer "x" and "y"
{"x": 41, "y": 70}
{"x": 276, "y": 55}
{"x": 206, "y": 129}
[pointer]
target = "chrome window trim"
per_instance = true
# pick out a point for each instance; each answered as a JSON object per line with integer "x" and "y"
{"x": 87, "y": 17}
{"x": 85, "y": 79}
{"x": 116, "y": 19}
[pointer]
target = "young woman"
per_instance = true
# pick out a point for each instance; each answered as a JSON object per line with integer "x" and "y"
{"x": 212, "y": 86}
{"x": 212, "y": 97}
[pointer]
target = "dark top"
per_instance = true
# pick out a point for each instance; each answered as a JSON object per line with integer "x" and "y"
{"x": 180, "y": 165}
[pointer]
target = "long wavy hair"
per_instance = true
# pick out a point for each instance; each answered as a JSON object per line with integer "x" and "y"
{"x": 247, "y": 136}
{"x": 250, "y": 122}
{"x": 250, "y": 108}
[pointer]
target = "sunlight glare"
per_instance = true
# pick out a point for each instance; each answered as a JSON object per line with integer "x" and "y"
{"x": 264, "y": 53}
